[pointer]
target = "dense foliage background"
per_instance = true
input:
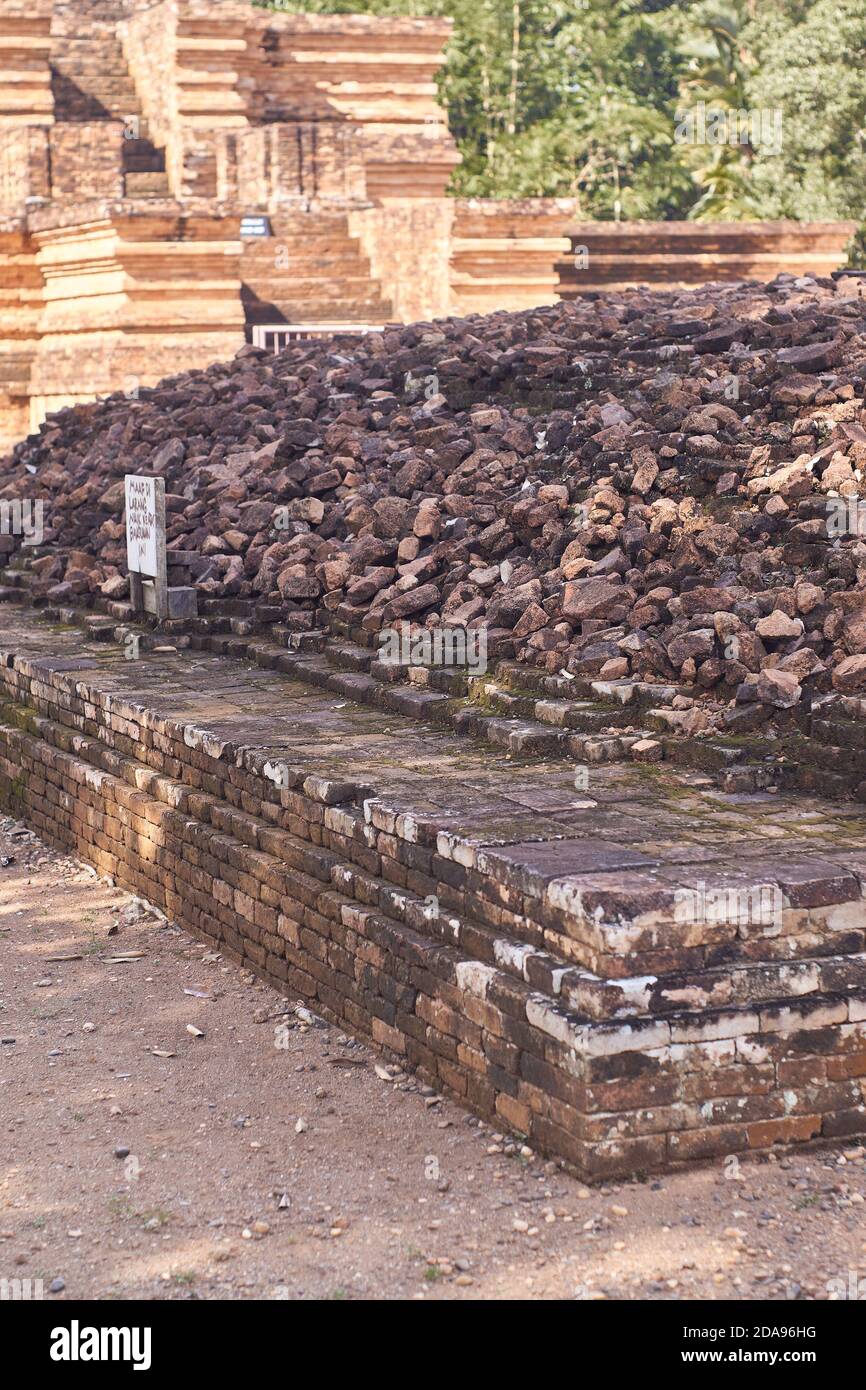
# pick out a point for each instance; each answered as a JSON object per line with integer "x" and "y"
{"x": 584, "y": 97}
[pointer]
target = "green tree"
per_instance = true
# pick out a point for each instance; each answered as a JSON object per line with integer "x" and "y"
{"x": 714, "y": 82}
{"x": 808, "y": 62}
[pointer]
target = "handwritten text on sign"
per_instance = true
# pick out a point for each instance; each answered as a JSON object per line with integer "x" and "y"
{"x": 141, "y": 527}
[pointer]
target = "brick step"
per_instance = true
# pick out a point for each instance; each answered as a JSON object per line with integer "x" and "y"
{"x": 320, "y": 311}
{"x": 508, "y": 722}
{"x": 814, "y": 778}
{"x": 306, "y": 285}
{"x": 840, "y": 757}
{"x": 300, "y": 248}
{"x": 325, "y": 261}
{"x": 144, "y": 163}
{"x": 315, "y": 238}
{"x": 848, "y": 733}
{"x": 148, "y": 185}
{"x": 305, "y": 225}
{"x": 92, "y": 107}
{"x": 263, "y": 252}
{"x": 86, "y": 40}
{"x": 629, "y": 693}
{"x": 810, "y": 758}
{"x": 93, "y": 77}
{"x": 728, "y": 986}
{"x": 84, "y": 97}
{"x": 584, "y": 716}
{"x": 93, "y": 73}
{"x": 312, "y": 282}
{"x": 711, "y": 754}
{"x": 98, "y": 53}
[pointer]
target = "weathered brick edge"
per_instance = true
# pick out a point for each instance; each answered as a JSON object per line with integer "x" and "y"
{"x": 319, "y": 889}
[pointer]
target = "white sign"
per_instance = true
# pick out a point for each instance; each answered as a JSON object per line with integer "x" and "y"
{"x": 255, "y": 226}
{"x": 141, "y": 525}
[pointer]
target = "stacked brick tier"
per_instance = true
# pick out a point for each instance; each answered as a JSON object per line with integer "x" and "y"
{"x": 208, "y": 74}
{"x": 99, "y": 145}
{"x": 377, "y": 73}
{"x": 607, "y": 256}
{"x": 20, "y": 307}
{"x": 133, "y": 292}
{"x": 508, "y": 252}
{"x": 25, "y": 74}
{"x": 519, "y": 945}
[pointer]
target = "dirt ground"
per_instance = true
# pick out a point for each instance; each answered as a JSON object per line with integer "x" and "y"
{"x": 170, "y": 1128}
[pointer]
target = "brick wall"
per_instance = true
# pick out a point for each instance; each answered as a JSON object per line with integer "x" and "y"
{"x": 615, "y": 255}
{"x": 281, "y": 162}
{"x": 25, "y": 89}
{"x": 23, "y": 167}
{"x": 20, "y": 307}
{"x": 87, "y": 159}
{"x": 321, "y": 888}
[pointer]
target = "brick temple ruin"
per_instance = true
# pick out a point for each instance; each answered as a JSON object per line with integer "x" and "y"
{"x": 136, "y": 134}
{"x": 605, "y": 887}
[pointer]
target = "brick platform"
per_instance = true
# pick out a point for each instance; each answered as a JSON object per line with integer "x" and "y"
{"x": 520, "y": 943}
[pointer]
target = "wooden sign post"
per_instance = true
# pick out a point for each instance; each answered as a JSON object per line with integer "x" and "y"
{"x": 145, "y": 544}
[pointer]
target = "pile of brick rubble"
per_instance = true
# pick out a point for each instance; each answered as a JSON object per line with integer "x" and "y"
{"x": 655, "y": 485}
